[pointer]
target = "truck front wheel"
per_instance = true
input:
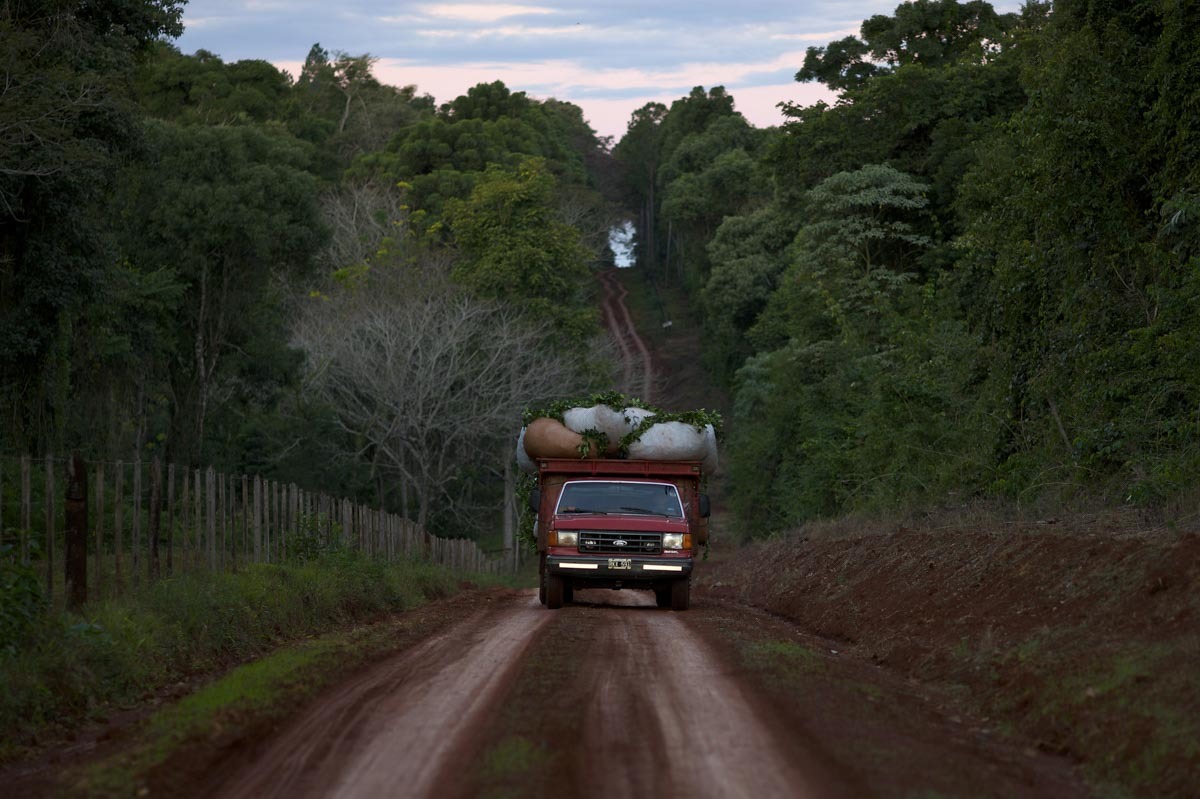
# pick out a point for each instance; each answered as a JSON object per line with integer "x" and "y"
{"x": 681, "y": 594}
{"x": 554, "y": 591}
{"x": 662, "y": 597}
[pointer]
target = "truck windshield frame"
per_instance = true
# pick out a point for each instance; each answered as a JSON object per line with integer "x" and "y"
{"x": 634, "y": 497}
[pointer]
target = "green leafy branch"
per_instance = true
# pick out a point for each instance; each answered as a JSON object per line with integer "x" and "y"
{"x": 617, "y": 401}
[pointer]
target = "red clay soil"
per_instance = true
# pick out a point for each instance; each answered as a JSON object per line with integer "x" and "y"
{"x": 619, "y": 698}
{"x": 613, "y": 696}
{"x": 396, "y": 728}
{"x": 1085, "y": 641}
{"x": 412, "y": 724}
{"x": 637, "y": 365}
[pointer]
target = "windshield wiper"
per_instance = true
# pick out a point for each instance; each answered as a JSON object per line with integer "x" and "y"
{"x": 646, "y": 510}
{"x": 584, "y": 510}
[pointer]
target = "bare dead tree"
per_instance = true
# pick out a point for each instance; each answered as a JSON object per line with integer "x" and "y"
{"x": 429, "y": 378}
{"x": 360, "y": 215}
{"x": 588, "y": 212}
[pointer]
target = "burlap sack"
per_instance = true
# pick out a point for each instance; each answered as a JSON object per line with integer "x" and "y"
{"x": 550, "y": 438}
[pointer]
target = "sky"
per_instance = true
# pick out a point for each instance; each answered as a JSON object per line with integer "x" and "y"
{"x": 609, "y": 57}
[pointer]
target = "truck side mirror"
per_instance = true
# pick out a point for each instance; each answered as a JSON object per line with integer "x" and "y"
{"x": 535, "y": 500}
{"x": 705, "y": 510}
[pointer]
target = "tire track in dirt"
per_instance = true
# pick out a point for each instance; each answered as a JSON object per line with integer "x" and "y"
{"x": 392, "y": 732}
{"x": 635, "y": 355}
{"x": 668, "y": 710}
{"x": 610, "y": 322}
{"x": 662, "y": 707}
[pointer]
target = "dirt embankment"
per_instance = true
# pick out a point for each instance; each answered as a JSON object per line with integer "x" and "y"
{"x": 1085, "y": 640}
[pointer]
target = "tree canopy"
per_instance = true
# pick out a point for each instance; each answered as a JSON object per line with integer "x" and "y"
{"x": 966, "y": 277}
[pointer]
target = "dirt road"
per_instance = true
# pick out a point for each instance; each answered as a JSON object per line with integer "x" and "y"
{"x": 613, "y": 697}
{"x": 637, "y": 365}
{"x": 411, "y": 725}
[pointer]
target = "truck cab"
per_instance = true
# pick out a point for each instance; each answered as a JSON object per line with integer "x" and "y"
{"x": 619, "y": 524}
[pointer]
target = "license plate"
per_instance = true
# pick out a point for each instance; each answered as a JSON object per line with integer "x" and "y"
{"x": 620, "y": 563}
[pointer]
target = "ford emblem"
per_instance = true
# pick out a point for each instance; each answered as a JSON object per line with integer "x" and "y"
{"x": 620, "y": 542}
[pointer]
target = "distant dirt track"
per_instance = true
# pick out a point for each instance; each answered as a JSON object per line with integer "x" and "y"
{"x": 637, "y": 365}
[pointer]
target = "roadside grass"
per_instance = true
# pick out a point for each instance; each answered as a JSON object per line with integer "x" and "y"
{"x": 172, "y": 750}
{"x": 74, "y": 667}
{"x": 251, "y": 694}
{"x": 1142, "y": 686}
{"x": 785, "y": 660}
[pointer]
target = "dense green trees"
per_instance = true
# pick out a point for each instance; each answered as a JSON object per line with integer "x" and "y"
{"x": 65, "y": 125}
{"x": 973, "y": 274}
{"x": 969, "y": 276}
{"x": 515, "y": 250}
{"x": 167, "y": 220}
{"x": 1082, "y": 223}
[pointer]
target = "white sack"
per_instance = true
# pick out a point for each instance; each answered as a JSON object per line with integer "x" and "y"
{"x": 600, "y": 417}
{"x": 710, "y": 447}
{"x": 524, "y": 462}
{"x": 670, "y": 441}
{"x": 635, "y": 416}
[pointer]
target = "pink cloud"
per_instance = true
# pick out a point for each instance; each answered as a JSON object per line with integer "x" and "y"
{"x": 608, "y": 116}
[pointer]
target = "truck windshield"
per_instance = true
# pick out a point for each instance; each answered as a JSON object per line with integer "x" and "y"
{"x": 597, "y": 496}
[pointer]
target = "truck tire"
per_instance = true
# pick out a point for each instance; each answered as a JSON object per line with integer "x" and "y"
{"x": 554, "y": 591}
{"x": 542, "y": 578}
{"x": 568, "y": 593}
{"x": 662, "y": 597}
{"x": 681, "y": 591}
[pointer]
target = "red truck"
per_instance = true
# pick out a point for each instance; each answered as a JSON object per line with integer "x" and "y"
{"x": 618, "y": 524}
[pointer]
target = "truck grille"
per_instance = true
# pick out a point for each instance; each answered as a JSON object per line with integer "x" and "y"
{"x": 605, "y": 541}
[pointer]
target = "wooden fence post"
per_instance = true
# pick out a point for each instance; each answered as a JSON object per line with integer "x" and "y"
{"x": 155, "y": 514}
{"x": 26, "y": 509}
{"x": 185, "y": 515}
{"x": 76, "y": 528}
{"x": 135, "y": 561}
{"x": 268, "y": 511}
{"x": 223, "y": 517}
{"x": 210, "y": 520}
{"x": 99, "y": 557}
{"x": 231, "y": 518}
{"x": 271, "y": 518}
{"x": 245, "y": 518}
{"x": 118, "y": 526}
{"x": 289, "y": 518}
{"x": 257, "y": 519}
{"x": 170, "y": 519}
{"x": 197, "y": 521}
{"x": 49, "y": 492}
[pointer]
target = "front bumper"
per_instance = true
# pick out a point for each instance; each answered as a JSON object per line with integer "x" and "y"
{"x": 600, "y": 567}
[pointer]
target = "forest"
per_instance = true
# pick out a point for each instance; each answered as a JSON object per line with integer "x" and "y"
{"x": 973, "y": 275}
{"x": 317, "y": 278}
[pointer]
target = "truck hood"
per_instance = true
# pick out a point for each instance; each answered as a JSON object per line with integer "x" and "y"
{"x": 612, "y": 521}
